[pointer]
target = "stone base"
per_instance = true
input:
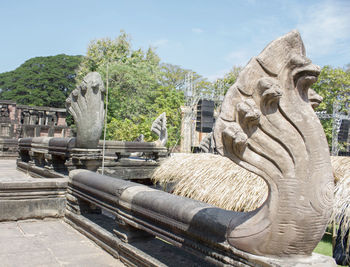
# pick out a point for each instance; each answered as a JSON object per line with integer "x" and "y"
{"x": 34, "y": 198}
{"x": 89, "y": 159}
{"x": 129, "y": 169}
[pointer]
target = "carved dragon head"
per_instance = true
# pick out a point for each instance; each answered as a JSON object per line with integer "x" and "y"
{"x": 268, "y": 126}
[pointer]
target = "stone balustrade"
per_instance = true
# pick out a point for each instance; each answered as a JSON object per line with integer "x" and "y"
{"x": 53, "y": 157}
{"x": 143, "y": 213}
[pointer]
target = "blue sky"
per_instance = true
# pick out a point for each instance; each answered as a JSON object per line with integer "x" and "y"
{"x": 209, "y": 37}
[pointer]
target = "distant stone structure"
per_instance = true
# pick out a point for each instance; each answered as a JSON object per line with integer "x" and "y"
{"x": 18, "y": 121}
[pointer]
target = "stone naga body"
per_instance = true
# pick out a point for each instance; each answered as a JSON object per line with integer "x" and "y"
{"x": 267, "y": 125}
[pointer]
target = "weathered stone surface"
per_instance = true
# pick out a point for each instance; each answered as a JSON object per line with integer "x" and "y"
{"x": 86, "y": 104}
{"x": 267, "y": 125}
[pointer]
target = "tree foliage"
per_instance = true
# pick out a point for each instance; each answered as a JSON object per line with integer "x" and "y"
{"x": 41, "y": 81}
{"x": 221, "y": 85}
{"x": 333, "y": 84}
{"x": 137, "y": 95}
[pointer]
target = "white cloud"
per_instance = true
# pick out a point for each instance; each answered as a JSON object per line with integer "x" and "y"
{"x": 160, "y": 42}
{"x": 197, "y": 30}
{"x": 325, "y": 28}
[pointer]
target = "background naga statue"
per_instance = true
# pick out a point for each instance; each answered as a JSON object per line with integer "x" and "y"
{"x": 86, "y": 104}
{"x": 268, "y": 126}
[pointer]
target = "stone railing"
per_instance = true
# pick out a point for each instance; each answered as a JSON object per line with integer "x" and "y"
{"x": 142, "y": 213}
{"x": 52, "y": 157}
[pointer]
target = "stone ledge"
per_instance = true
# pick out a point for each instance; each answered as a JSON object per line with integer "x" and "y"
{"x": 32, "y": 198}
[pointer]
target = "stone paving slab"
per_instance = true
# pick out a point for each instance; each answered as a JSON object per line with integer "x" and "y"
{"x": 9, "y": 173}
{"x": 48, "y": 243}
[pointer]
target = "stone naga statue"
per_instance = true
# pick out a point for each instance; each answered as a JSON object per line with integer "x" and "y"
{"x": 86, "y": 104}
{"x": 159, "y": 128}
{"x": 268, "y": 126}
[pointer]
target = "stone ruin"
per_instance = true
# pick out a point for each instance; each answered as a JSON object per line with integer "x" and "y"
{"x": 19, "y": 121}
{"x": 266, "y": 125}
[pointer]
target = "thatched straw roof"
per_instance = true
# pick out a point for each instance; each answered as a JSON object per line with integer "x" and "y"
{"x": 218, "y": 181}
{"x": 341, "y": 210}
{"x": 213, "y": 179}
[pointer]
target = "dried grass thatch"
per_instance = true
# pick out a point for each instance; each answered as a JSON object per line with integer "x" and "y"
{"x": 212, "y": 179}
{"x": 218, "y": 181}
{"x": 341, "y": 210}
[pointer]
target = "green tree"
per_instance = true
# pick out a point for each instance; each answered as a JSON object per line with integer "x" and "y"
{"x": 41, "y": 81}
{"x": 221, "y": 85}
{"x": 333, "y": 84}
{"x": 174, "y": 76}
{"x": 136, "y": 93}
{"x": 103, "y": 51}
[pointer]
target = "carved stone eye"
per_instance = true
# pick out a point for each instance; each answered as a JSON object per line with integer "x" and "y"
{"x": 264, "y": 84}
{"x": 299, "y": 61}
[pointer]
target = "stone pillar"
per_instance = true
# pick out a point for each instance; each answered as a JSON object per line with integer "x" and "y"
{"x": 186, "y": 129}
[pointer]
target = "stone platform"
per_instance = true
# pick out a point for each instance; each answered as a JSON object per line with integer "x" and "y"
{"x": 49, "y": 242}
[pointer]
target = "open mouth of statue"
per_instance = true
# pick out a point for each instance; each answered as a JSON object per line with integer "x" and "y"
{"x": 315, "y": 100}
{"x": 305, "y": 78}
{"x": 276, "y": 95}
